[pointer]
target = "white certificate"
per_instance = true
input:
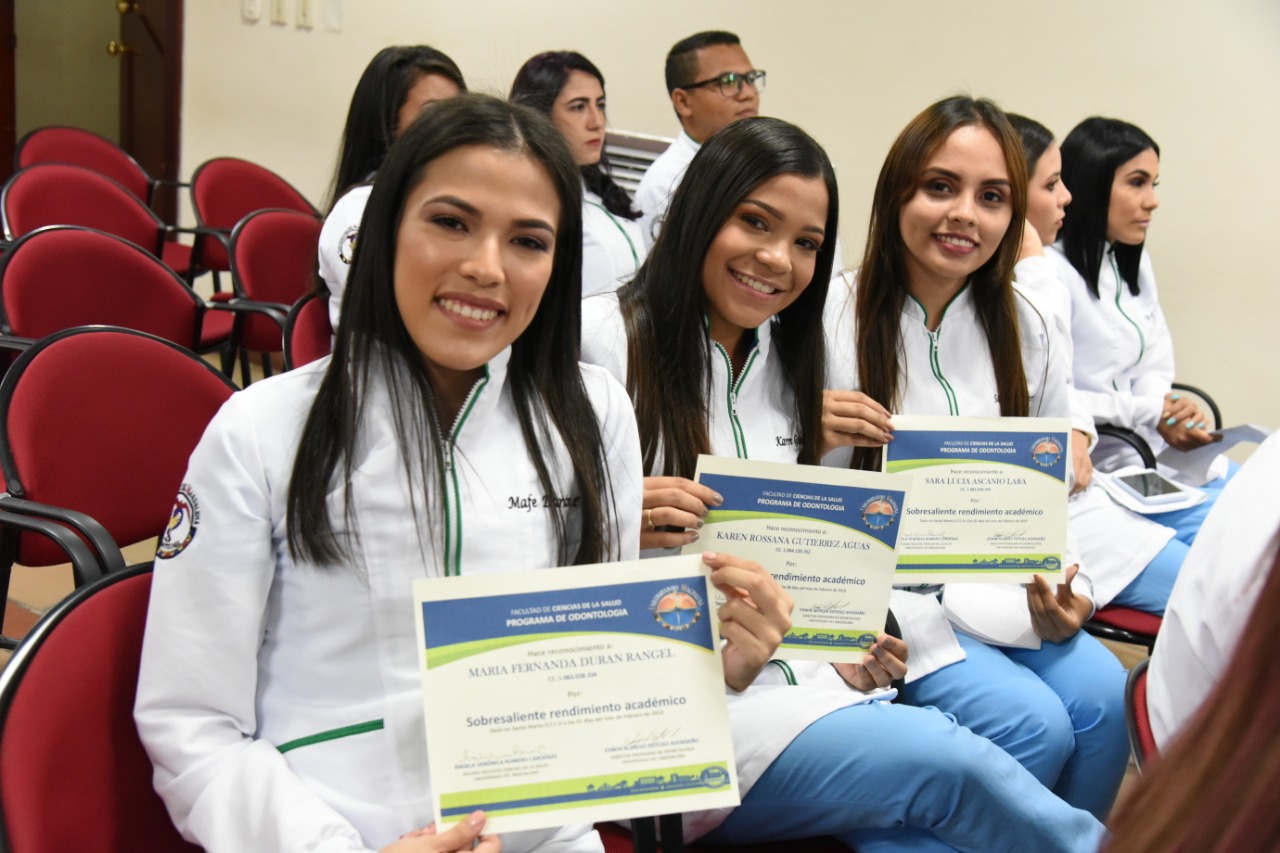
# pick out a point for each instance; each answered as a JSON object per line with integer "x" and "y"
{"x": 826, "y": 534}
{"x": 574, "y": 695}
{"x": 989, "y": 501}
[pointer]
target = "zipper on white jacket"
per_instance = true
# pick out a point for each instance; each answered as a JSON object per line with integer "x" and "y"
{"x": 739, "y": 437}
{"x": 935, "y": 364}
{"x": 452, "y": 492}
{"x": 1142, "y": 341}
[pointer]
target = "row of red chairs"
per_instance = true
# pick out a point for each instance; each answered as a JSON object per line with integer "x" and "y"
{"x": 69, "y": 176}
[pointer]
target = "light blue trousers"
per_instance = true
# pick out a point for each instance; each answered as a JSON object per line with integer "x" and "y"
{"x": 883, "y": 777}
{"x": 1058, "y": 710}
{"x": 1149, "y": 591}
{"x": 1186, "y": 522}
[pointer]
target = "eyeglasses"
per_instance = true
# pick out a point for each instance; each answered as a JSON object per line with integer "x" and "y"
{"x": 730, "y": 82}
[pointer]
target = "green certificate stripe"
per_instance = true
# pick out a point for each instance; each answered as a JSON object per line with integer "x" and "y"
{"x": 902, "y": 466}
{"x": 579, "y": 792}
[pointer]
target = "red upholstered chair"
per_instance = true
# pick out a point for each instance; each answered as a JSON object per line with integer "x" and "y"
{"x": 96, "y": 427}
{"x": 60, "y": 194}
{"x": 58, "y": 277}
{"x": 273, "y": 265}
{"x": 73, "y": 774}
{"x": 224, "y": 191}
{"x": 308, "y": 336}
{"x": 1142, "y": 741}
{"x": 1125, "y": 625}
{"x": 79, "y": 147}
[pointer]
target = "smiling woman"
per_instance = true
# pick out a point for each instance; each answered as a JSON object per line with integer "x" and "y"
{"x": 720, "y": 341}
{"x": 323, "y": 495}
{"x": 569, "y": 88}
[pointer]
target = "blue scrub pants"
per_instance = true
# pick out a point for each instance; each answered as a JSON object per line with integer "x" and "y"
{"x": 1186, "y": 522}
{"x": 883, "y": 777}
{"x": 1058, "y": 710}
{"x": 1149, "y": 591}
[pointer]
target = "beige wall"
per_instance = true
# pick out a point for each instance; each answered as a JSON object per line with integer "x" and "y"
{"x": 62, "y": 71}
{"x": 1200, "y": 77}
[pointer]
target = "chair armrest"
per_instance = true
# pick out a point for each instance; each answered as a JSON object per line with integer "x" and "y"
{"x": 102, "y": 548}
{"x": 1131, "y": 438}
{"x": 84, "y": 564}
{"x": 15, "y": 343}
{"x": 275, "y": 310}
{"x": 1208, "y": 401}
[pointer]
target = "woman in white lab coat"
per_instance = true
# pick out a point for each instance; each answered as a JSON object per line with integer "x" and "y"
{"x": 719, "y": 339}
{"x": 396, "y": 86}
{"x": 1132, "y": 560}
{"x": 934, "y": 326}
{"x": 279, "y": 694}
{"x": 1123, "y": 356}
{"x": 569, "y": 88}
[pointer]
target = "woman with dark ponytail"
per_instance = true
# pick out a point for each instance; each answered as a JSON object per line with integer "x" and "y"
{"x": 569, "y": 88}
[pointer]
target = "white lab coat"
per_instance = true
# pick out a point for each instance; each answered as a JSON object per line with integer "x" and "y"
{"x": 1123, "y": 355}
{"x": 754, "y": 420}
{"x": 1214, "y": 595}
{"x": 338, "y": 242}
{"x": 1115, "y": 543}
{"x": 659, "y": 183}
{"x": 963, "y": 383}
{"x": 246, "y": 650}
{"x": 613, "y": 246}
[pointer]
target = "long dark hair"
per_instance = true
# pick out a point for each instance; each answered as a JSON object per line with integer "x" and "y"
{"x": 1035, "y": 137}
{"x": 1091, "y": 153}
{"x": 538, "y": 83}
{"x": 373, "y": 348}
{"x": 882, "y": 278}
{"x": 668, "y": 360}
{"x": 375, "y": 109}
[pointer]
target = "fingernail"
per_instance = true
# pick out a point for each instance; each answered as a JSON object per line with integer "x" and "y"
{"x": 476, "y": 820}
{"x": 700, "y": 523}
{"x": 1200, "y": 425}
{"x": 708, "y": 556}
{"x": 693, "y": 537}
{"x": 719, "y": 499}
{"x": 1175, "y": 396}
{"x": 1190, "y": 424}
{"x": 1171, "y": 422}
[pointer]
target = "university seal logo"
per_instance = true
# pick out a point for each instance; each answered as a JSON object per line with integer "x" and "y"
{"x": 879, "y": 512}
{"x": 1046, "y": 452}
{"x": 677, "y": 608}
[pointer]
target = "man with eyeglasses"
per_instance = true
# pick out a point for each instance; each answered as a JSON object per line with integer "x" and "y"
{"x": 711, "y": 83}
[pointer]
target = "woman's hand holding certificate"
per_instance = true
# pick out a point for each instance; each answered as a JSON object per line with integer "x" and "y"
{"x": 881, "y": 666}
{"x": 1057, "y": 616}
{"x": 754, "y": 618}
{"x": 673, "y": 511}
{"x": 852, "y": 419}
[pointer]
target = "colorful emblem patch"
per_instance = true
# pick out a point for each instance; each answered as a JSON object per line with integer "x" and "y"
{"x": 879, "y": 512}
{"x": 677, "y": 608}
{"x": 183, "y": 522}
{"x": 347, "y": 245}
{"x": 1046, "y": 452}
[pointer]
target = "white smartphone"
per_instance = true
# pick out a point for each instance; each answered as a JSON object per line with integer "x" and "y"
{"x": 1150, "y": 487}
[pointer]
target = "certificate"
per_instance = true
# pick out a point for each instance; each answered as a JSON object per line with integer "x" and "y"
{"x": 826, "y": 535}
{"x": 989, "y": 501}
{"x": 574, "y": 695}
